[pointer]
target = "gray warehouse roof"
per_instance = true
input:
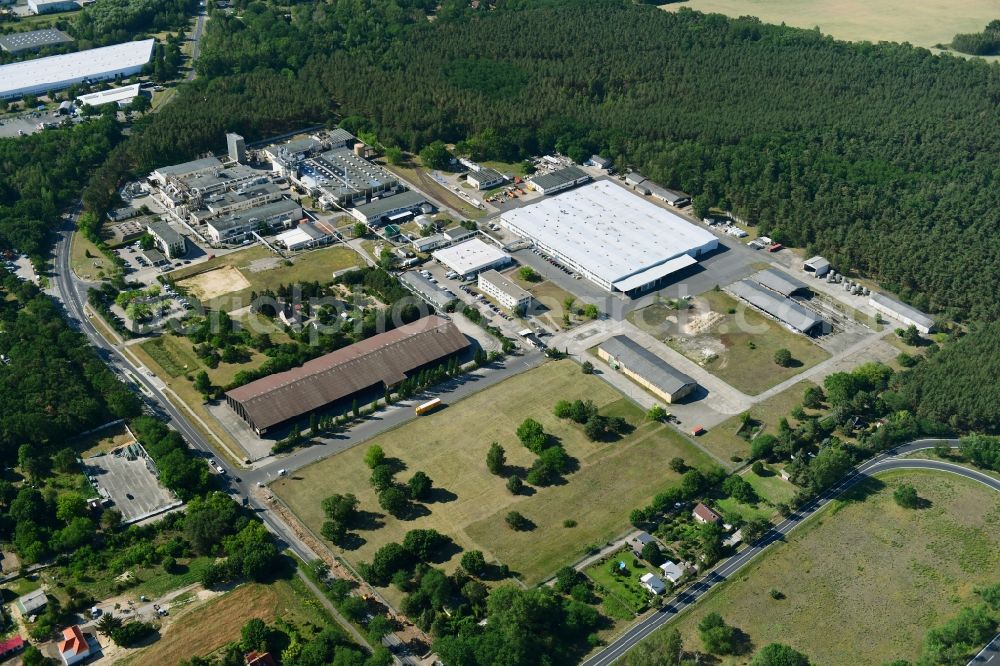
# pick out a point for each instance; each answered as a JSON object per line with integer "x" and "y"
{"x": 783, "y": 309}
{"x": 266, "y": 212}
{"x": 383, "y": 358}
{"x": 559, "y": 177}
{"x": 438, "y": 297}
{"x": 903, "y": 309}
{"x": 35, "y": 39}
{"x": 408, "y": 199}
{"x": 646, "y": 364}
{"x": 190, "y": 167}
{"x": 778, "y": 281}
{"x": 165, "y": 232}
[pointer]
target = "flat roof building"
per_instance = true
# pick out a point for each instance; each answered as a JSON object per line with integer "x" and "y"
{"x": 18, "y": 42}
{"x": 429, "y": 243}
{"x": 201, "y": 165}
{"x": 780, "y": 282}
{"x": 485, "y": 178}
{"x": 901, "y": 311}
{"x": 669, "y": 197}
{"x": 794, "y": 316}
{"x": 371, "y": 365}
{"x": 611, "y": 236}
{"x": 646, "y": 368}
{"x": 236, "y": 227}
{"x": 121, "y": 96}
{"x": 559, "y": 180}
{"x": 169, "y": 241}
{"x": 600, "y": 162}
{"x": 247, "y": 196}
{"x": 504, "y": 291}
{"x": 340, "y": 177}
{"x": 434, "y": 294}
{"x": 51, "y": 6}
{"x": 381, "y": 210}
{"x": 61, "y": 71}
{"x": 472, "y": 256}
{"x": 817, "y": 265}
{"x": 304, "y": 236}
{"x": 32, "y": 602}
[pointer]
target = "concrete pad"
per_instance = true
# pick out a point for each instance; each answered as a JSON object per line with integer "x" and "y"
{"x": 130, "y": 483}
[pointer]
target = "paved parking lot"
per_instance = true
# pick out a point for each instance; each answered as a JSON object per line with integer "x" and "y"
{"x": 130, "y": 484}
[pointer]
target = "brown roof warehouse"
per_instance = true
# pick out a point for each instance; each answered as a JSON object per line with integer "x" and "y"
{"x": 383, "y": 360}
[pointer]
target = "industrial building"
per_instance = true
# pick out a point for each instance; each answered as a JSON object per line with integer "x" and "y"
{"x": 504, "y": 291}
{"x": 612, "y": 237}
{"x": 559, "y": 180}
{"x": 51, "y": 6}
{"x": 122, "y": 96}
{"x": 19, "y": 42}
{"x": 171, "y": 243}
{"x": 816, "y": 265}
{"x": 390, "y": 210}
{"x": 303, "y": 237}
{"x": 788, "y": 312}
{"x": 434, "y": 294}
{"x": 236, "y": 147}
{"x": 780, "y": 282}
{"x": 363, "y": 369}
{"x": 224, "y": 203}
{"x": 600, "y": 162}
{"x": 472, "y": 257}
{"x": 429, "y": 243}
{"x": 485, "y": 178}
{"x": 902, "y": 312}
{"x": 163, "y": 175}
{"x": 646, "y": 368}
{"x": 669, "y": 197}
{"x": 235, "y": 228}
{"x": 340, "y": 177}
{"x": 42, "y": 75}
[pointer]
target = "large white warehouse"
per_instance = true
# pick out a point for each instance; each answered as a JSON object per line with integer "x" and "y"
{"x": 34, "y": 77}
{"x": 611, "y": 236}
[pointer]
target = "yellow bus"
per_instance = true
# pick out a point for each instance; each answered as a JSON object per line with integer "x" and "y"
{"x": 428, "y": 406}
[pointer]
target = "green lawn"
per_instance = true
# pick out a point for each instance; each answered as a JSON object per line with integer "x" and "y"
{"x": 622, "y": 587}
{"x": 771, "y": 486}
{"x": 157, "y": 583}
{"x": 723, "y": 440}
{"x": 262, "y": 269}
{"x": 865, "y": 559}
{"x": 451, "y": 444}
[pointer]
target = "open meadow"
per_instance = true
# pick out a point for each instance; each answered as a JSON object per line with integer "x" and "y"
{"x": 730, "y": 339}
{"x": 451, "y": 445}
{"x": 920, "y": 22}
{"x": 865, "y": 566}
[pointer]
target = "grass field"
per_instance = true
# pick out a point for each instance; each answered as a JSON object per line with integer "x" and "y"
{"x": 209, "y": 626}
{"x": 550, "y": 295}
{"x": 723, "y": 440}
{"x": 920, "y": 22}
{"x": 92, "y": 268}
{"x": 227, "y": 281}
{"x": 451, "y": 445}
{"x": 863, "y": 558}
{"x": 625, "y": 587}
{"x": 730, "y": 340}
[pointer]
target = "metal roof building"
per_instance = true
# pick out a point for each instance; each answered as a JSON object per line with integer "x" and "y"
{"x": 901, "y": 311}
{"x": 61, "y": 71}
{"x": 817, "y": 265}
{"x": 559, "y": 180}
{"x": 785, "y": 310}
{"x": 646, "y": 368}
{"x": 776, "y": 280}
{"x": 121, "y": 96}
{"x": 612, "y": 236}
{"x": 472, "y": 256}
{"x": 34, "y": 39}
{"x": 376, "y": 211}
{"x": 382, "y": 360}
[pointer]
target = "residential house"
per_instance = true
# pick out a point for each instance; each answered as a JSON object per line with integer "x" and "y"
{"x": 652, "y": 583}
{"x": 73, "y": 648}
{"x": 672, "y": 571}
{"x": 703, "y": 514}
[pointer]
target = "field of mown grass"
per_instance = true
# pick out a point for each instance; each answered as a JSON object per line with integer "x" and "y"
{"x": 865, "y": 567}
{"x": 450, "y": 446}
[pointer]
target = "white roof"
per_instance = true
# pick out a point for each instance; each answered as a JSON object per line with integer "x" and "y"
{"x": 671, "y": 571}
{"x": 471, "y": 256}
{"x": 107, "y": 96}
{"x": 609, "y": 231}
{"x": 293, "y": 237}
{"x": 60, "y": 69}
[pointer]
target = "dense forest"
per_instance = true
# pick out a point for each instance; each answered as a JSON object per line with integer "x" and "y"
{"x": 42, "y": 173}
{"x": 116, "y": 21}
{"x": 982, "y": 43}
{"x": 53, "y": 385}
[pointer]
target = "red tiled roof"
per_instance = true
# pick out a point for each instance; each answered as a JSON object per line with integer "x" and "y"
{"x": 255, "y": 658}
{"x": 73, "y": 641}
{"x": 386, "y": 357}
{"x": 11, "y": 645}
{"x": 706, "y": 514}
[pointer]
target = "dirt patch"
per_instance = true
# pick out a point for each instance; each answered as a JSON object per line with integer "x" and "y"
{"x": 266, "y": 264}
{"x": 215, "y": 283}
{"x": 701, "y": 322}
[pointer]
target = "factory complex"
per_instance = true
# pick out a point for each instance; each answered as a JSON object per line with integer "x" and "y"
{"x": 612, "y": 237}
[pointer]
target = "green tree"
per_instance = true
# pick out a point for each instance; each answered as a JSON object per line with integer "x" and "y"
{"x": 436, "y": 156}
{"x": 394, "y": 501}
{"x": 678, "y": 465}
{"x": 473, "y": 562}
{"x": 374, "y": 456}
{"x": 202, "y": 383}
{"x": 828, "y": 467}
{"x": 754, "y": 529}
{"x": 423, "y": 543}
{"x": 254, "y": 635}
{"x": 108, "y": 624}
{"x": 515, "y": 485}
{"x": 651, "y": 553}
{"x": 529, "y": 274}
{"x": 776, "y": 654}
{"x": 656, "y": 414}
{"x": 783, "y": 357}
{"x": 496, "y": 458}
{"x": 382, "y": 478}
{"x": 516, "y": 521}
{"x": 64, "y": 460}
{"x": 906, "y": 496}
{"x": 716, "y": 635}
{"x": 420, "y": 486}
{"x": 587, "y": 368}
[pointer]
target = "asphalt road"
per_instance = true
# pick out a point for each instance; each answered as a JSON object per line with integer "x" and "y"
{"x": 199, "y": 29}
{"x": 987, "y": 654}
{"x": 882, "y": 463}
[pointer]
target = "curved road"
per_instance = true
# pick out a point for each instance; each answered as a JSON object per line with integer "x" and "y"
{"x": 884, "y": 462}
